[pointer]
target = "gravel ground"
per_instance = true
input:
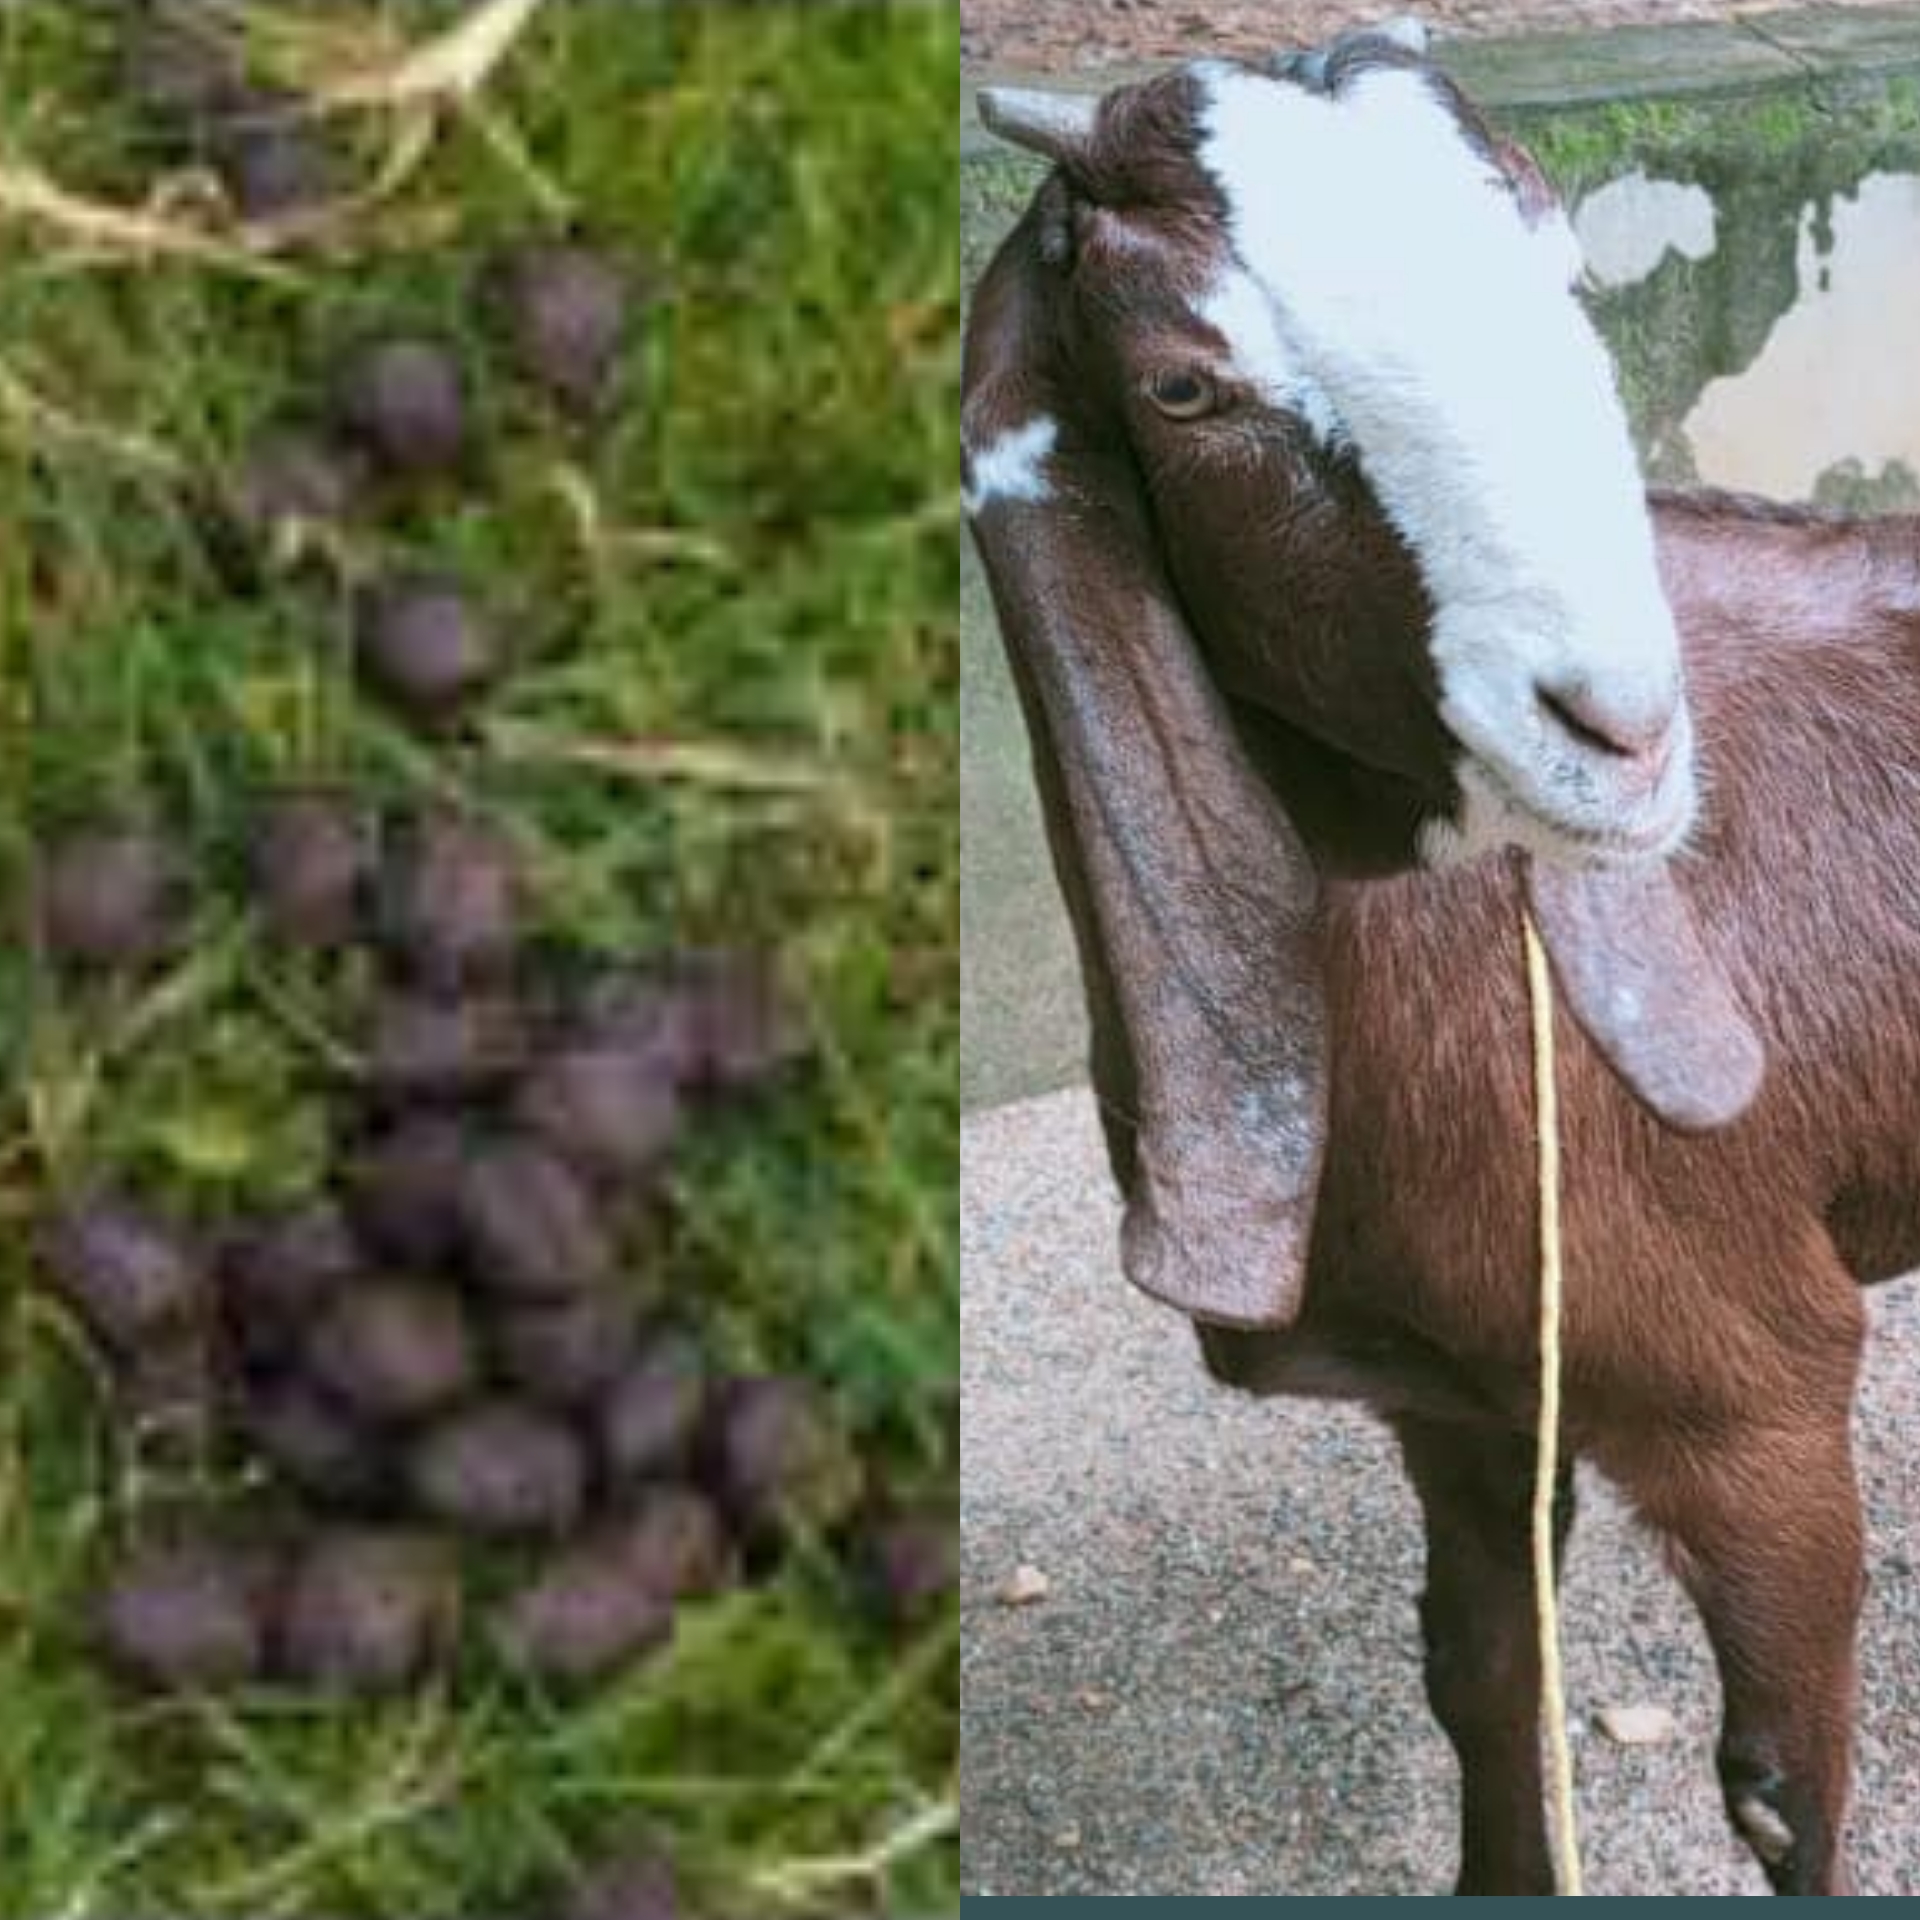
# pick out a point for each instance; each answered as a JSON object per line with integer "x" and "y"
{"x": 1098, "y": 33}
{"x": 1220, "y": 1694}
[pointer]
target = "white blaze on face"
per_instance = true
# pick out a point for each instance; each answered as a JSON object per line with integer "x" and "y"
{"x": 1402, "y": 285}
{"x": 1237, "y": 308}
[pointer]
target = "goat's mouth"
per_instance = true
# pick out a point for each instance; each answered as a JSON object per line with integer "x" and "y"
{"x": 1580, "y": 821}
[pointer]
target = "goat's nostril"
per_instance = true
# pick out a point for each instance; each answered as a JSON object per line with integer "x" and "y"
{"x": 1626, "y": 732}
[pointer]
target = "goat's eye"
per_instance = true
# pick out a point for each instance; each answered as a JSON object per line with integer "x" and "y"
{"x": 1182, "y": 393}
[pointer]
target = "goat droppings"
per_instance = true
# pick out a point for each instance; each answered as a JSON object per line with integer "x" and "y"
{"x": 906, "y": 1566}
{"x": 650, "y": 1415}
{"x": 425, "y": 647}
{"x": 289, "y": 482}
{"x": 395, "y": 1350}
{"x": 273, "y": 160}
{"x": 403, "y": 399}
{"x": 533, "y": 1227}
{"x": 285, "y": 1267}
{"x": 634, "y": 1010}
{"x": 189, "y": 1615}
{"x": 674, "y": 1541}
{"x": 610, "y": 1110}
{"x": 403, "y": 1190}
{"x": 500, "y": 1469}
{"x": 635, "y": 1886}
{"x": 565, "y": 309}
{"x": 368, "y": 1612}
{"x": 432, "y": 1047}
{"x": 584, "y": 1617}
{"x": 130, "y": 1274}
{"x": 316, "y": 1444}
{"x": 313, "y": 863}
{"x": 774, "y": 1458}
{"x": 450, "y": 900}
{"x": 568, "y": 1352}
{"x": 108, "y": 898}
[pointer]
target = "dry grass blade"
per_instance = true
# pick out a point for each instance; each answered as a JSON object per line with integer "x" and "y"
{"x": 803, "y": 1881}
{"x": 29, "y": 195}
{"x": 706, "y": 763}
{"x": 502, "y": 137}
{"x": 37, "y": 420}
{"x": 604, "y": 542}
{"x": 453, "y": 66}
{"x": 342, "y": 68}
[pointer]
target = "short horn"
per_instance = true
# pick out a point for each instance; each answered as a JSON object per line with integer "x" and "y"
{"x": 1405, "y": 31}
{"x": 1056, "y": 125}
{"x": 1305, "y": 67}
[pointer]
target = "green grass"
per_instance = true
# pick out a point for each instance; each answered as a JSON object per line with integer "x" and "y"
{"x": 771, "y": 589}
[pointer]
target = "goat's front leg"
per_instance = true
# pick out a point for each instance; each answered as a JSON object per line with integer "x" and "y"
{"x": 1483, "y": 1669}
{"x": 1765, "y": 1526}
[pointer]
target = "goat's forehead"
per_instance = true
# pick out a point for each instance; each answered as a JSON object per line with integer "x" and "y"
{"x": 1386, "y": 116}
{"x": 1392, "y": 136}
{"x": 1381, "y": 211}
{"x": 1390, "y": 161}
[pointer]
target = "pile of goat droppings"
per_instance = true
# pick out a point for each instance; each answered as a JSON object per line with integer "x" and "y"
{"x": 467, "y": 1428}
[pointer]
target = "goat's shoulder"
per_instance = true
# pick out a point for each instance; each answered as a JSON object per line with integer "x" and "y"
{"x": 1745, "y": 573}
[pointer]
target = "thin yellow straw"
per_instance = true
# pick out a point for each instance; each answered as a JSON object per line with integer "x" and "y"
{"x": 1546, "y": 1470}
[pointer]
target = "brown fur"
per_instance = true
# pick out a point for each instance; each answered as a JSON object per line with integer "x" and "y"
{"x": 1714, "y": 1321}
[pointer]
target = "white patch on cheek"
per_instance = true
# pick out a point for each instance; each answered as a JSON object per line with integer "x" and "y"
{"x": 1442, "y": 844}
{"x": 1483, "y": 821}
{"x": 1013, "y": 466}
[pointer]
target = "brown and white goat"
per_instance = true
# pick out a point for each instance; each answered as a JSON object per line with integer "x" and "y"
{"x": 1342, "y": 625}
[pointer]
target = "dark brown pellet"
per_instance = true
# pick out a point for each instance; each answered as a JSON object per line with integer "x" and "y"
{"x": 108, "y": 898}
{"x": 313, "y": 865}
{"x": 584, "y": 1617}
{"x": 611, "y": 1111}
{"x": 368, "y": 1612}
{"x": 450, "y": 901}
{"x": 425, "y": 646}
{"x": 188, "y": 1615}
{"x": 534, "y": 1229}
{"x": 566, "y": 309}
{"x": 404, "y": 1190}
{"x": 395, "y": 1350}
{"x": 424, "y": 1046}
{"x": 403, "y": 398}
{"x": 649, "y": 1418}
{"x": 500, "y": 1469}
{"x": 132, "y": 1275}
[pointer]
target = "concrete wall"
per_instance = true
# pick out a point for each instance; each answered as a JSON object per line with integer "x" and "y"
{"x": 1741, "y": 150}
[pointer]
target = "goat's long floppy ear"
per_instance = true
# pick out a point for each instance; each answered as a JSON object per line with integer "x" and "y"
{"x": 1193, "y": 899}
{"x": 1642, "y": 983}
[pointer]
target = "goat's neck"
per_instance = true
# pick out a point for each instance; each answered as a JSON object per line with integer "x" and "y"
{"x": 1748, "y": 580}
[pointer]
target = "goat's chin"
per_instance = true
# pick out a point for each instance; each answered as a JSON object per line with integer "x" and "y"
{"x": 1492, "y": 818}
